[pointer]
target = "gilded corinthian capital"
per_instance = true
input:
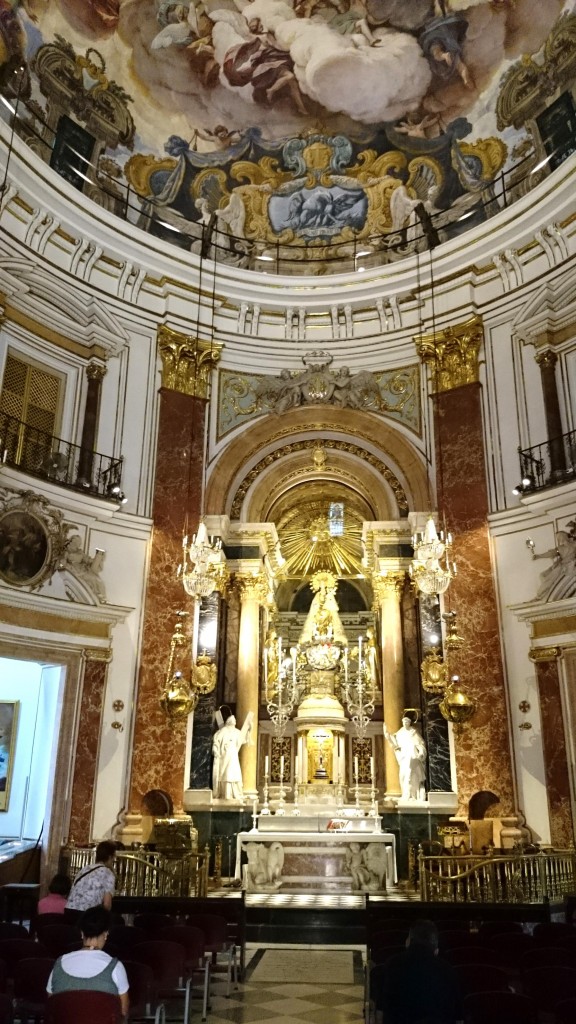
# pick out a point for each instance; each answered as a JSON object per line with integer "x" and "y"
{"x": 452, "y": 354}
{"x": 252, "y": 588}
{"x": 384, "y": 586}
{"x": 187, "y": 362}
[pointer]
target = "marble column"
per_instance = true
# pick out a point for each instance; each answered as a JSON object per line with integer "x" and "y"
{"x": 387, "y": 599}
{"x": 547, "y": 360}
{"x": 253, "y": 591}
{"x": 95, "y": 374}
{"x": 159, "y": 744}
{"x": 482, "y": 746}
{"x": 87, "y": 745}
{"x": 556, "y": 760}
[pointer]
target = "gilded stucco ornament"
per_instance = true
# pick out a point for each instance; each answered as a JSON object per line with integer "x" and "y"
{"x": 330, "y": 445}
{"x": 252, "y": 587}
{"x": 453, "y": 354}
{"x": 204, "y": 674}
{"x": 434, "y": 673}
{"x": 537, "y": 654}
{"x": 528, "y": 83}
{"x": 187, "y": 362}
{"x": 33, "y": 539}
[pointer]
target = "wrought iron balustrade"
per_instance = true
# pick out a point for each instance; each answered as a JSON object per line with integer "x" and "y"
{"x": 548, "y": 464}
{"x": 27, "y": 120}
{"x": 51, "y": 458}
{"x": 146, "y": 872}
{"x": 511, "y": 878}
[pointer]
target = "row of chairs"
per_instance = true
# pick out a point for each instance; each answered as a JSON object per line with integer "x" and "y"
{"x": 519, "y": 977}
{"x": 161, "y": 959}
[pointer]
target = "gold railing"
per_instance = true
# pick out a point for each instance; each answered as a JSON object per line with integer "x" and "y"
{"x": 514, "y": 878}
{"x": 145, "y": 873}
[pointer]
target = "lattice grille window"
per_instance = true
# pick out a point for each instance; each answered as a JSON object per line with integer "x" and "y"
{"x": 32, "y": 395}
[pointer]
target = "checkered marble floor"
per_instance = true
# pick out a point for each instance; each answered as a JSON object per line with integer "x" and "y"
{"x": 289, "y": 1002}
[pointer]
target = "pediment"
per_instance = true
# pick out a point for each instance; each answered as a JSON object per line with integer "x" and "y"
{"x": 79, "y": 316}
{"x": 550, "y": 310}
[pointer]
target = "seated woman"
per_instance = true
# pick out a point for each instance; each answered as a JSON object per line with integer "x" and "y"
{"x": 55, "y": 901}
{"x": 90, "y": 968}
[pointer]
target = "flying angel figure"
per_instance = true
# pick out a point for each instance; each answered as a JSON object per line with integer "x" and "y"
{"x": 179, "y": 23}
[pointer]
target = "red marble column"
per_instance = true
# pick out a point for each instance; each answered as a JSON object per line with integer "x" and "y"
{"x": 159, "y": 742}
{"x": 483, "y": 758}
{"x": 555, "y": 754}
{"x": 87, "y": 746}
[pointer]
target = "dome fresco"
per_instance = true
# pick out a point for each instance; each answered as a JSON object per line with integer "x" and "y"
{"x": 309, "y": 123}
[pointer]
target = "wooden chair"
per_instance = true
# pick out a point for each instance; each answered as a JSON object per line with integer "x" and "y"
{"x": 481, "y": 977}
{"x": 30, "y": 980}
{"x": 143, "y": 993}
{"x": 61, "y": 938}
{"x": 547, "y": 956}
{"x": 14, "y": 950}
{"x": 217, "y": 943}
{"x": 10, "y": 930}
{"x": 499, "y": 1008}
{"x": 471, "y": 955}
{"x": 565, "y": 1011}
{"x": 489, "y": 928}
{"x": 87, "y": 1007}
{"x": 553, "y": 933}
{"x": 192, "y": 941}
{"x": 167, "y": 961}
{"x": 121, "y": 941}
{"x": 548, "y": 986}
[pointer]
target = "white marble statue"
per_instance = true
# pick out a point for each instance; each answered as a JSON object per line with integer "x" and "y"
{"x": 367, "y": 866}
{"x": 85, "y": 567}
{"x": 559, "y": 580}
{"x": 227, "y": 774}
{"x": 263, "y": 872}
{"x": 410, "y": 750}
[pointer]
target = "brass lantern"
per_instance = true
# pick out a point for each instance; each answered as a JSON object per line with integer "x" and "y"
{"x": 457, "y": 706}
{"x": 178, "y": 699}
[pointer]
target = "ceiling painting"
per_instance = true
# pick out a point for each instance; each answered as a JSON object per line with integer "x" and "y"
{"x": 310, "y": 123}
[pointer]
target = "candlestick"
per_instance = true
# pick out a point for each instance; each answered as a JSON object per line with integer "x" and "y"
{"x": 372, "y": 768}
{"x": 282, "y": 768}
{"x": 296, "y": 769}
{"x": 356, "y": 766}
{"x": 359, "y": 652}
{"x": 266, "y": 766}
{"x": 254, "y": 816}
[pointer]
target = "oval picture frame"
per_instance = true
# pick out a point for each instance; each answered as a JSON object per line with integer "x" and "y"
{"x": 25, "y": 548}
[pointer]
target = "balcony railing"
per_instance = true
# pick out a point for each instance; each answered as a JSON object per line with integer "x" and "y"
{"x": 548, "y": 464}
{"x": 51, "y": 458}
{"x": 26, "y": 119}
{"x": 514, "y": 878}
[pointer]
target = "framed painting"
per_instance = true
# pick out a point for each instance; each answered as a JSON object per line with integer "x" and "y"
{"x": 24, "y": 547}
{"x": 8, "y": 728}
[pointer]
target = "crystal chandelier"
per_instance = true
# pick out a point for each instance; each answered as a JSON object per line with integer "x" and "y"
{"x": 431, "y": 569}
{"x": 203, "y": 568}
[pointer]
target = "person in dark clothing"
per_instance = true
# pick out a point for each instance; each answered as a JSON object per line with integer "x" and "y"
{"x": 417, "y": 986}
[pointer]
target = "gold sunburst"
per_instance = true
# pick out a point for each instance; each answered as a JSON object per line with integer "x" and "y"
{"x": 311, "y": 541}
